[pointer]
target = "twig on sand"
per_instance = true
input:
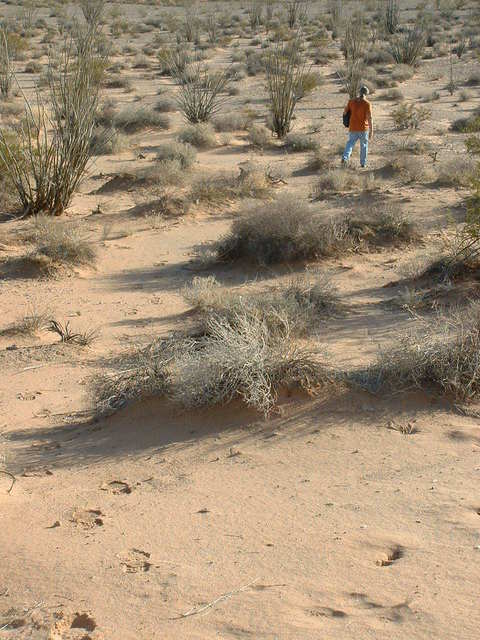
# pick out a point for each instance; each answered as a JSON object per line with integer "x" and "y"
{"x": 35, "y": 366}
{"x": 10, "y": 475}
{"x": 195, "y": 610}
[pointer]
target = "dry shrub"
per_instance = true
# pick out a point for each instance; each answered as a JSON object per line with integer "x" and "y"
{"x": 472, "y": 144}
{"x": 165, "y": 105}
{"x": 225, "y": 186}
{"x": 167, "y": 204}
{"x": 411, "y": 168}
{"x": 119, "y": 82}
{"x": 402, "y": 72}
{"x": 201, "y": 135}
{"x": 470, "y": 124}
{"x": 133, "y": 119}
{"x": 473, "y": 79}
{"x": 393, "y": 94}
{"x": 303, "y": 300}
{"x": 161, "y": 174}
{"x": 56, "y": 244}
{"x": 442, "y": 354}
{"x": 231, "y": 122}
{"x": 108, "y": 141}
{"x": 308, "y": 82}
{"x": 259, "y": 136}
{"x": 383, "y": 226}
{"x": 320, "y": 160}
{"x": 300, "y": 142}
{"x": 285, "y": 230}
{"x": 289, "y": 230}
{"x": 238, "y": 358}
{"x": 457, "y": 172}
{"x": 28, "y": 325}
{"x": 409, "y": 116}
{"x": 340, "y": 181}
{"x": 182, "y": 152}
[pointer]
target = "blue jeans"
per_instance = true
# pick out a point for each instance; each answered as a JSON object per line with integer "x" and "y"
{"x": 352, "y": 139}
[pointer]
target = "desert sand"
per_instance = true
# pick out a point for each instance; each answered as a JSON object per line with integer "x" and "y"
{"x": 347, "y": 515}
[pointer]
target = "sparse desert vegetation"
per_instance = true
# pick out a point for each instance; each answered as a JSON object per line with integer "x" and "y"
{"x": 226, "y": 354}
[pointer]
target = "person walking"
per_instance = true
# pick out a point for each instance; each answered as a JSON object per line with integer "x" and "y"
{"x": 360, "y": 126}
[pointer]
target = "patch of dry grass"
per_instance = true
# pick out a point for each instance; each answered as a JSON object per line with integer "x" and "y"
{"x": 441, "y": 354}
{"x": 288, "y": 230}
{"x": 222, "y": 187}
{"x": 201, "y": 135}
{"x": 28, "y": 325}
{"x": 241, "y": 357}
{"x": 56, "y": 244}
{"x": 304, "y": 300}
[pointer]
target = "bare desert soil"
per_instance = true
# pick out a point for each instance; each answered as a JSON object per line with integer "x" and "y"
{"x": 348, "y": 515}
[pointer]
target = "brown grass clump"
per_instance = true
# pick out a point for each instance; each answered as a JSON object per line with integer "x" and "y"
{"x": 320, "y": 160}
{"x": 201, "y": 135}
{"x": 300, "y": 142}
{"x": 182, "y": 152}
{"x": 303, "y": 300}
{"x": 443, "y": 354}
{"x": 340, "y": 181}
{"x": 28, "y": 325}
{"x": 288, "y": 230}
{"x": 133, "y": 119}
{"x": 259, "y": 136}
{"x": 231, "y": 122}
{"x": 411, "y": 169}
{"x": 57, "y": 244}
{"x": 238, "y": 358}
{"x": 222, "y": 187}
{"x": 457, "y": 172}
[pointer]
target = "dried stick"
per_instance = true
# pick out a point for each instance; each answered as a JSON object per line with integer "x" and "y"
{"x": 7, "y": 473}
{"x": 194, "y": 611}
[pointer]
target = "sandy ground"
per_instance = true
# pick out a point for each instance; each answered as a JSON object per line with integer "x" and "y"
{"x": 349, "y": 516}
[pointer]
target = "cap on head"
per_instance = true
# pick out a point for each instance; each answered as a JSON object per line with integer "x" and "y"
{"x": 364, "y": 91}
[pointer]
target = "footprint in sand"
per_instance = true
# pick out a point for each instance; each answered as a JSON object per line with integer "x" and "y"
{"x": 117, "y": 487}
{"x": 327, "y": 612}
{"x": 135, "y": 561}
{"x": 393, "y": 613}
{"x": 78, "y": 625}
{"x": 88, "y": 518}
{"x": 390, "y": 556}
